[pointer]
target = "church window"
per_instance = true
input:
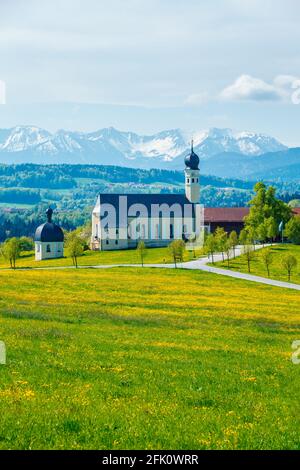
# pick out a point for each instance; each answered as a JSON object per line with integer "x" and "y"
{"x": 48, "y": 249}
{"x": 193, "y": 180}
{"x": 157, "y": 231}
{"x": 117, "y": 242}
{"x": 107, "y": 242}
{"x": 188, "y": 180}
{"x": 171, "y": 231}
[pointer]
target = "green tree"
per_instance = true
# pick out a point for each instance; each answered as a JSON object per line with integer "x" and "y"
{"x": 74, "y": 247}
{"x": 272, "y": 228}
{"x": 289, "y": 262}
{"x": 220, "y": 238}
{"x": 292, "y": 230}
{"x": 251, "y": 234}
{"x": 227, "y": 248}
{"x": 142, "y": 251}
{"x": 233, "y": 239}
{"x": 243, "y": 237}
{"x": 26, "y": 244}
{"x": 211, "y": 246}
{"x": 249, "y": 253}
{"x": 266, "y": 257}
{"x": 11, "y": 251}
{"x": 264, "y": 205}
{"x": 262, "y": 232}
{"x": 176, "y": 249}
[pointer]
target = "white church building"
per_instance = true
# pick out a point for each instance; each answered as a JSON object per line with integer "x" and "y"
{"x": 120, "y": 221}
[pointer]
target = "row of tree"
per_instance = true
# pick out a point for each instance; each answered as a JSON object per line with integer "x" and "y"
{"x": 221, "y": 242}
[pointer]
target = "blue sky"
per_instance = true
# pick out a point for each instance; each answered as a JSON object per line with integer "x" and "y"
{"x": 151, "y": 65}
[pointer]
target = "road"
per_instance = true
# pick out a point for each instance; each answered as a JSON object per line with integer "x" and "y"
{"x": 200, "y": 264}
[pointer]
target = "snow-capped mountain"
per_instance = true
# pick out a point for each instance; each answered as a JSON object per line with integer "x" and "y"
{"x": 111, "y": 146}
{"x": 214, "y": 141}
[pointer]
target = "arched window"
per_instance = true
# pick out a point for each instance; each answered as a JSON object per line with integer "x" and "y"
{"x": 48, "y": 249}
{"x": 171, "y": 231}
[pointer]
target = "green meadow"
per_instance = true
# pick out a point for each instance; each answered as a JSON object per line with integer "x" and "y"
{"x": 258, "y": 268}
{"x": 94, "y": 258}
{"x": 141, "y": 358}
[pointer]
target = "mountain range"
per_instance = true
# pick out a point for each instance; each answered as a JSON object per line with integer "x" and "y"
{"x": 222, "y": 152}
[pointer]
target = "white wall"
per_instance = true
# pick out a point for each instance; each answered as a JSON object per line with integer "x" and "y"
{"x": 56, "y": 250}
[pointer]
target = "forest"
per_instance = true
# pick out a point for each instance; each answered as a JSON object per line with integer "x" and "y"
{"x": 27, "y": 189}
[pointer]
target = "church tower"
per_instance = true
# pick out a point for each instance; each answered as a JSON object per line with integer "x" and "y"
{"x": 192, "y": 174}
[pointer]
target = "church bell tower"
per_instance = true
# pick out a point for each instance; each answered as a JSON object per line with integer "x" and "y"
{"x": 192, "y": 176}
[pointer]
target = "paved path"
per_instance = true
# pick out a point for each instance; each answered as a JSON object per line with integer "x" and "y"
{"x": 199, "y": 264}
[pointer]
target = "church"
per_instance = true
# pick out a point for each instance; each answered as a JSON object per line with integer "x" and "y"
{"x": 120, "y": 221}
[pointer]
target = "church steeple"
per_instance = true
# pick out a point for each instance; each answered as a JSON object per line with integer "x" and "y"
{"x": 192, "y": 173}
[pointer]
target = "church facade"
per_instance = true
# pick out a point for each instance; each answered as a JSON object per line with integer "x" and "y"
{"x": 120, "y": 221}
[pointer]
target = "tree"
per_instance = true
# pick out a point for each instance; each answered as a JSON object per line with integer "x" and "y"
{"x": 292, "y": 230}
{"x": 233, "y": 239}
{"x": 243, "y": 237}
{"x": 264, "y": 205}
{"x": 272, "y": 228}
{"x": 211, "y": 245}
{"x": 74, "y": 246}
{"x": 248, "y": 251}
{"x": 262, "y": 232}
{"x": 228, "y": 247}
{"x": 252, "y": 234}
{"x": 289, "y": 262}
{"x": 267, "y": 259}
{"x": 220, "y": 238}
{"x": 176, "y": 249}
{"x": 142, "y": 251}
{"x": 26, "y": 244}
{"x": 11, "y": 250}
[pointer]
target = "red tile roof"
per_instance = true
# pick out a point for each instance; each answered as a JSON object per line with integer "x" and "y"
{"x": 230, "y": 214}
{"x": 225, "y": 214}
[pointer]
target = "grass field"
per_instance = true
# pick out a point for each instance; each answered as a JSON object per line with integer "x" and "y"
{"x": 93, "y": 258}
{"x": 276, "y": 270}
{"x": 147, "y": 358}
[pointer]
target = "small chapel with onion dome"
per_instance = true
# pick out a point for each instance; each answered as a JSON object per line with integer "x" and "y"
{"x": 49, "y": 239}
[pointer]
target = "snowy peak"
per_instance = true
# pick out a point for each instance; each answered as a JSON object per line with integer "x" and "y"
{"x": 214, "y": 141}
{"x": 111, "y": 146}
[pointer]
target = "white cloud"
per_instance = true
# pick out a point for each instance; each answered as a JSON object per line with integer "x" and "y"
{"x": 2, "y": 92}
{"x": 248, "y": 88}
{"x": 197, "y": 99}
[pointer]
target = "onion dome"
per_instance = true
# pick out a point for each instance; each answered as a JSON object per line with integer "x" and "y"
{"x": 192, "y": 160}
{"x": 49, "y": 232}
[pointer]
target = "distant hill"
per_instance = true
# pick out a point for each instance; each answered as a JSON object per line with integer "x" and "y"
{"x": 75, "y": 187}
{"x": 270, "y": 166}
